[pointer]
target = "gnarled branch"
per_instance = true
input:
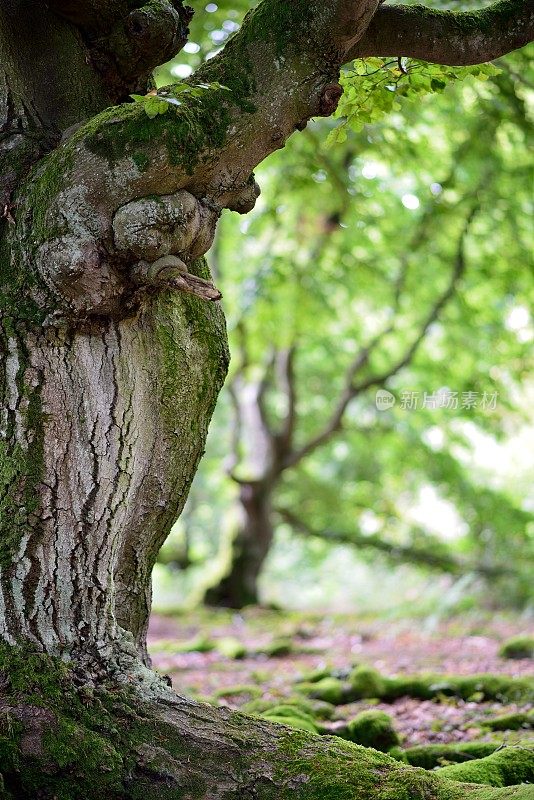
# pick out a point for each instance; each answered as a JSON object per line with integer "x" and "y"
{"x": 430, "y": 556}
{"x": 447, "y": 37}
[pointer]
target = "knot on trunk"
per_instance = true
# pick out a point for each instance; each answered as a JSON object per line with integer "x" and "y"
{"x": 154, "y": 239}
{"x": 166, "y": 233}
{"x": 243, "y": 199}
{"x": 329, "y": 99}
{"x": 177, "y": 224}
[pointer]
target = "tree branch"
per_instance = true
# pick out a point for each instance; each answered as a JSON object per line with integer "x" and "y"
{"x": 286, "y": 364}
{"x": 447, "y": 37}
{"x": 353, "y": 389}
{"x": 431, "y": 558}
{"x": 433, "y": 315}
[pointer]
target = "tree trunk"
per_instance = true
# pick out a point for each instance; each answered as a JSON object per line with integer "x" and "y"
{"x": 250, "y": 548}
{"x": 111, "y": 367}
{"x": 102, "y": 432}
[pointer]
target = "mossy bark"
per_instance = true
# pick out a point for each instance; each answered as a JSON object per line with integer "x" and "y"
{"x": 103, "y": 430}
{"x": 63, "y": 738}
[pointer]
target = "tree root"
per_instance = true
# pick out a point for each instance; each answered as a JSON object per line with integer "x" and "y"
{"x": 58, "y": 741}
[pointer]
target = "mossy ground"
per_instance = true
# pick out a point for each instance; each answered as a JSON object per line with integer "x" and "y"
{"x": 276, "y": 679}
{"x": 368, "y": 683}
{"x": 62, "y": 739}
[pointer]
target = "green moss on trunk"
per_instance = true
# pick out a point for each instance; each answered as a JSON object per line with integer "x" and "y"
{"x": 62, "y": 737}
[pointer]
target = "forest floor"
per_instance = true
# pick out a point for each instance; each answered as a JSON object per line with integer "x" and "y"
{"x": 231, "y": 658}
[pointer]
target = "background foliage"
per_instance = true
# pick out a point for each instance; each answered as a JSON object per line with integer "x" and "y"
{"x": 357, "y": 232}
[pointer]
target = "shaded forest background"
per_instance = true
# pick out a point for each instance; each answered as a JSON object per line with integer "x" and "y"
{"x": 390, "y": 251}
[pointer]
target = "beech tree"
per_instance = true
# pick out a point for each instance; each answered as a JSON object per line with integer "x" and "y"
{"x": 114, "y": 350}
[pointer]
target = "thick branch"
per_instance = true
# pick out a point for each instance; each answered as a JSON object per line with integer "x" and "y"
{"x": 447, "y": 37}
{"x": 427, "y": 557}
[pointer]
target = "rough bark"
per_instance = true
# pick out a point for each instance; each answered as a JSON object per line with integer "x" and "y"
{"x": 109, "y": 376}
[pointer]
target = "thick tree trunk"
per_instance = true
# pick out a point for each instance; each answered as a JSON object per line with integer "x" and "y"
{"x": 250, "y": 548}
{"x": 102, "y": 431}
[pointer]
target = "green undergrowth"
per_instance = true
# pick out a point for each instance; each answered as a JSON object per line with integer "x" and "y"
{"x": 366, "y": 683}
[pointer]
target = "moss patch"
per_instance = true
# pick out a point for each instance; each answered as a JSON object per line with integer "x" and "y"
{"x": 373, "y": 729}
{"x": 437, "y": 755}
{"x": 518, "y": 647}
{"x": 510, "y": 722}
{"x": 366, "y": 683}
{"x": 331, "y": 690}
{"x": 293, "y": 716}
{"x": 187, "y": 132}
{"x": 506, "y": 767}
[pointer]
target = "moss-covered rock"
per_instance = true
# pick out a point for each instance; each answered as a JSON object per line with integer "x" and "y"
{"x": 314, "y": 675}
{"x": 331, "y": 690}
{"x": 316, "y": 709}
{"x": 518, "y": 647}
{"x": 241, "y": 690}
{"x": 293, "y": 716}
{"x": 366, "y": 682}
{"x": 506, "y": 767}
{"x": 230, "y": 647}
{"x": 373, "y": 729}
{"x": 510, "y": 722}
{"x": 483, "y": 686}
{"x": 281, "y": 646}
